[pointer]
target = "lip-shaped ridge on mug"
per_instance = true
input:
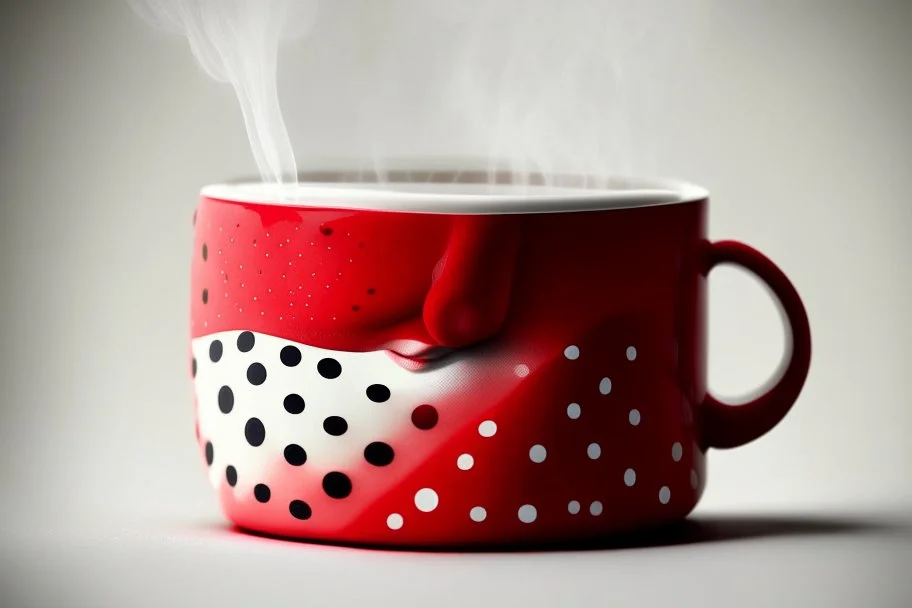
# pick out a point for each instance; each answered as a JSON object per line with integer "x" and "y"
{"x": 455, "y": 197}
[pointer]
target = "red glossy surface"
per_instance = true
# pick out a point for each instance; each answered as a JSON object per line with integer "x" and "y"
{"x": 526, "y": 287}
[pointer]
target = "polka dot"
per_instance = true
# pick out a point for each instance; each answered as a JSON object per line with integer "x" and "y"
{"x": 193, "y": 367}
{"x": 425, "y": 417}
{"x": 378, "y": 393}
{"x": 205, "y": 252}
{"x": 225, "y": 399}
{"x": 573, "y": 411}
{"x": 634, "y": 417}
{"x": 537, "y": 453}
{"x": 290, "y": 356}
{"x": 465, "y": 462}
{"x": 572, "y": 352}
{"x": 594, "y": 451}
{"x": 294, "y": 403}
{"x": 245, "y": 341}
{"x": 329, "y": 368}
{"x": 335, "y": 426}
{"x": 573, "y": 507}
{"x": 205, "y": 296}
{"x": 337, "y": 485}
{"x": 256, "y": 374}
{"x": 527, "y": 514}
{"x": 487, "y": 428}
{"x": 664, "y": 495}
{"x": 478, "y": 514}
{"x": 295, "y": 455}
{"x": 379, "y": 454}
{"x": 255, "y": 432}
{"x": 231, "y": 475}
{"x": 262, "y": 492}
{"x": 677, "y": 451}
{"x": 210, "y": 453}
{"x": 426, "y": 500}
{"x": 521, "y": 370}
{"x": 605, "y": 386}
{"x": 694, "y": 480}
{"x": 299, "y": 509}
{"x": 215, "y": 351}
{"x": 631, "y": 353}
{"x": 394, "y": 521}
{"x": 630, "y": 477}
{"x": 595, "y": 508}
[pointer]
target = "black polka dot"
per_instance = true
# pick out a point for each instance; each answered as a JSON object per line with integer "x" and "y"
{"x": 329, "y": 368}
{"x": 335, "y": 425}
{"x": 193, "y": 367}
{"x": 294, "y": 404}
{"x": 256, "y": 374}
{"x": 255, "y": 432}
{"x": 299, "y": 509}
{"x": 371, "y": 291}
{"x": 326, "y": 230}
{"x": 205, "y": 296}
{"x": 210, "y": 453}
{"x": 337, "y": 485}
{"x": 379, "y": 454}
{"x": 245, "y": 341}
{"x": 231, "y": 475}
{"x": 262, "y": 492}
{"x": 205, "y": 252}
{"x": 295, "y": 455}
{"x": 226, "y": 399}
{"x": 378, "y": 393}
{"x": 290, "y": 356}
{"x": 425, "y": 417}
{"x": 215, "y": 351}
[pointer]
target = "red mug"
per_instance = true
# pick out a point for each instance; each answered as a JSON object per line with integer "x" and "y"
{"x": 437, "y": 362}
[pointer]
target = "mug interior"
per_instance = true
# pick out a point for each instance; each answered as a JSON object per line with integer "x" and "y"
{"x": 459, "y": 192}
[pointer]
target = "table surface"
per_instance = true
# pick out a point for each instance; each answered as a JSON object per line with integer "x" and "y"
{"x": 860, "y": 560}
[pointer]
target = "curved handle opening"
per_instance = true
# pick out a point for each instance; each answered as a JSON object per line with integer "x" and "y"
{"x": 726, "y": 425}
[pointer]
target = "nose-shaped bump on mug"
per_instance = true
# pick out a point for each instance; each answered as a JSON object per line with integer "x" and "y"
{"x": 469, "y": 298}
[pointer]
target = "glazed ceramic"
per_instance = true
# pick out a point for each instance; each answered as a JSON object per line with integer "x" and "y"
{"x": 449, "y": 364}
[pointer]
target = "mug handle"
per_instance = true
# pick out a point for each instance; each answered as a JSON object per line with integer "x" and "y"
{"x": 729, "y": 426}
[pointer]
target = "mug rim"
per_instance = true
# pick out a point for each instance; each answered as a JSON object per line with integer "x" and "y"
{"x": 458, "y": 192}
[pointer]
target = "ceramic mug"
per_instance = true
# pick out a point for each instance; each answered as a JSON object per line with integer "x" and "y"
{"x": 436, "y": 362}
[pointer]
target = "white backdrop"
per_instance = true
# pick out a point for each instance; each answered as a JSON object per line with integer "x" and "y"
{"x": 798, "y": 124}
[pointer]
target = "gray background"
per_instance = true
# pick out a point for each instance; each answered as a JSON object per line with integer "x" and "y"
{"x": 797, "y": 121}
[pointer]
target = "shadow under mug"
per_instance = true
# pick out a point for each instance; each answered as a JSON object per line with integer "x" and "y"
{"x": 439, "y": 362}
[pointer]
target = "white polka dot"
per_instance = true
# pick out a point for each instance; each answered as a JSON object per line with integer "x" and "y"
{"x": 594, "y": 450}
{"x": 634, "y": 417}
{"x": 426, "y": 500}
{"x": 465, "y": 462}
{"x": 630, "y": 477}
{"x": 478, "y": 514}
{"x": 631, "y": 353}
{"x": 595, "y": 508}
{"x": 676, "y": 451}
{"x": 527, "y": 514}
{"x": 605, "y": 386}
{"x": 537, "y": 453}
{"x": 572, "y": 352}
{"x": 394, "y": 521}
{"x": 487, "y": 428}
{"x": 573, "y": 507}
{"x": 574, "y": 411}
{"x": 694, "y": 480}
{"x": 664, "y": 495}
{"x": 521, "y": 370}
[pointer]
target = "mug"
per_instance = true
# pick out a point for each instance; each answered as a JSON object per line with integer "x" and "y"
{"x": 438, "y": 361}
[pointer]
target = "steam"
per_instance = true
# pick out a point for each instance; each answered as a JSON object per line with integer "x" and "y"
{"x": 237, "y": 42}
{"x": 527, "y": 86}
